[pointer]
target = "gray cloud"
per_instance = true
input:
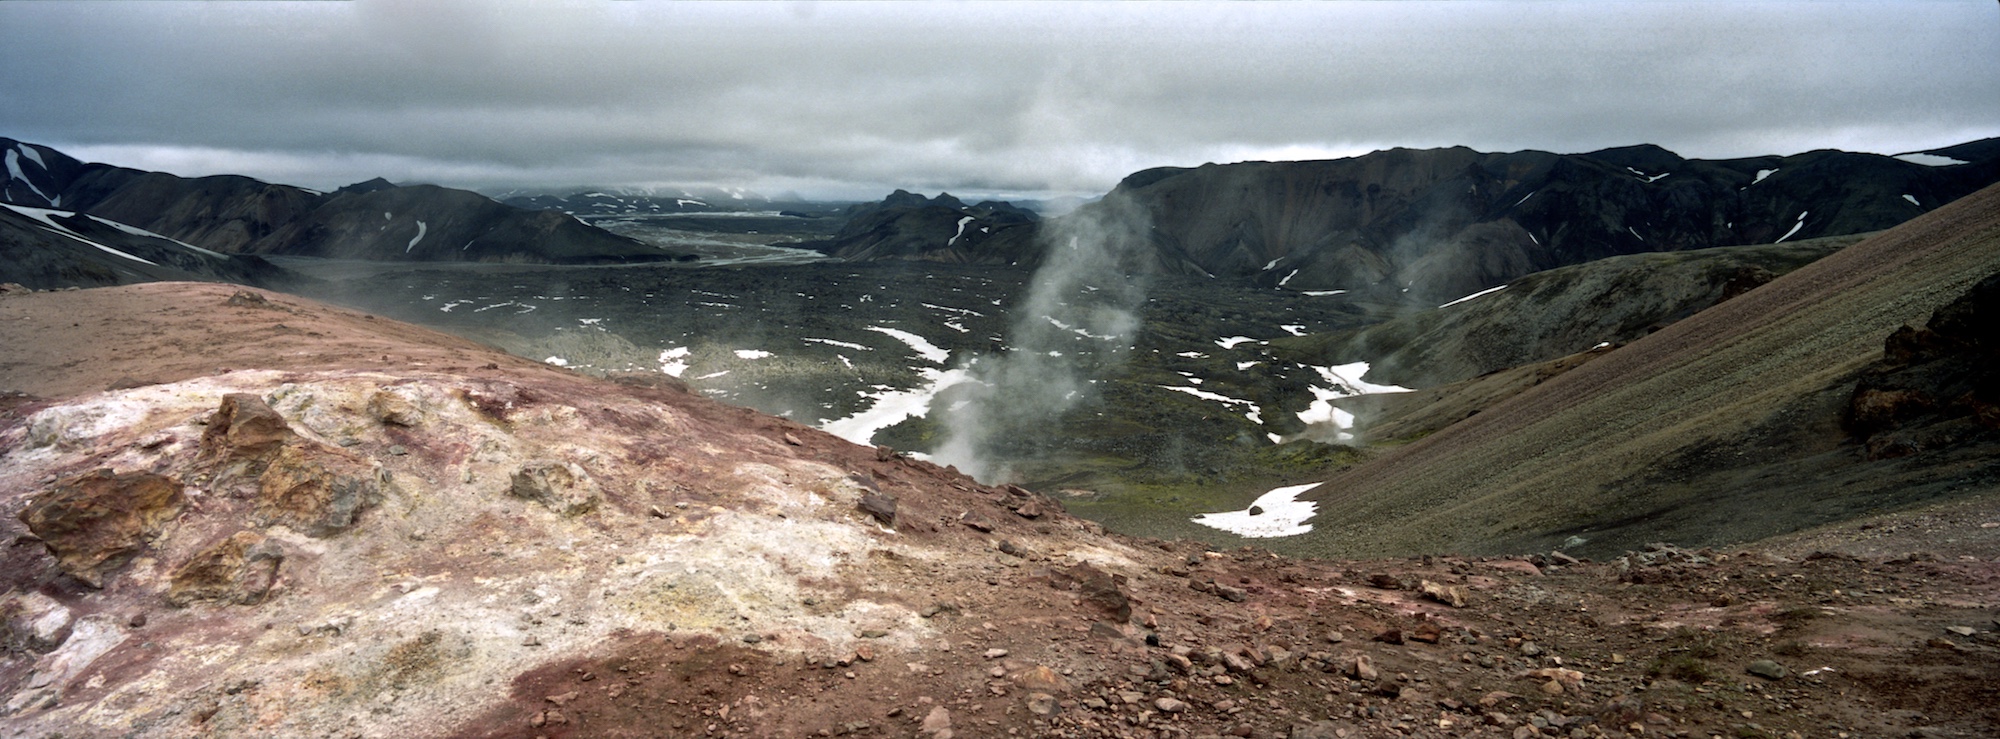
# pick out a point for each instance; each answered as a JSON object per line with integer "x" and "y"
{"x": 854, "y": 98}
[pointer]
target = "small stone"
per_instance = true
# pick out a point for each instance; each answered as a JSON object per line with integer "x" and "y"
{"x": 1961, "y": 630}
{"x": 752, "y": 638}
{"x": 1553, "y": 687}
{"x": 1170, "y": 705}
{"x": 1041, "y": 704}
{"x": 1451, "y": 595}
{"x": 1042, "y": 679}
{"x": 937, "y": 722}
{"x": 873, "y": 633}
{"x": 882, "y": 507}
{"x": 793, "y": 440}
{"x": 1392, "y": 636}
{"x": 397, "y": 450}
{"x": 1767, "y": 669}
{"x": 995, "y": 653}
{"x": 1336, "y": 637}
{"x": 1426, "y": 632}
{"x": 1363, "y": 669}
{"x": 1530, "y": 649}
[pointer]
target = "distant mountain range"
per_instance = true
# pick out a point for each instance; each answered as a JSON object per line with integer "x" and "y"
{"x": 373, "y": 220}
{"x": 1441, "y": 223}
{"x": 906, "y": 225}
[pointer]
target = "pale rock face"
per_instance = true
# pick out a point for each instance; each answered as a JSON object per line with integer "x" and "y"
{"x": 426, "y": 536}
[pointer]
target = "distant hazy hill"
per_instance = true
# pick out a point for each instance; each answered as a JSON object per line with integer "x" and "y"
{"x": 372, "y": 220}
{"x": 909, "y": 226}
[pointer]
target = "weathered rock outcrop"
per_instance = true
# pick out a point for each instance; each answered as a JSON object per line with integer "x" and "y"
{"x": 94, "y": 522}
{"x": 313, "y": 488}
{"x": 1937, "y": 386}
{"x": 238, "y": 570}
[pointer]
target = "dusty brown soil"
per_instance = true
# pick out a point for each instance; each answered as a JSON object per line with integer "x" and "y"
{"x": 725, "y": 582}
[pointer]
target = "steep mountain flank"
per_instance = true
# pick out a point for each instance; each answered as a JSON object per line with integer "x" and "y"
{"x": 299, "y": 517}
{"x": 1558, "y": 312}
{"x": 1447, "y": 222}
{"x": 430, "y": 223}
{"x": 908, "y": 226}
{"x": 1725, "y": 426}
{"x": 240, "y": 215}
{"x": 47, "y": 249}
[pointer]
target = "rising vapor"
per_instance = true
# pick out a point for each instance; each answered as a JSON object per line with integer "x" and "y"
{"x": 1078, "y": 320}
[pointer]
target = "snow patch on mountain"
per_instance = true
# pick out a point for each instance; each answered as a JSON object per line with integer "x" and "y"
{"x": 1929, "y": 160}
{"x": 1487, "y": 291}
{"x": 421, "y": 228}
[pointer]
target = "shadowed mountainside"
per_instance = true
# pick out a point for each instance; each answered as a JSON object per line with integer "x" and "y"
{"x": 1432, "y": 225}
{"x": 1443, "y": 223}
{"x": 1558, "y": 312}
{"x": 371, "y": 220}
{"x": 46, "y": 249}
{"x": 1725, "y": 426}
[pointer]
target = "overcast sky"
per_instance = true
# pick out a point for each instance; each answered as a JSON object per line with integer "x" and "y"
{"x": 844, "y": 99}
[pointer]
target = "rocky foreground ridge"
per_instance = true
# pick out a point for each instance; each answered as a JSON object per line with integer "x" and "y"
{"x": 386, "y": 532}
{"x": 242, "y": 514}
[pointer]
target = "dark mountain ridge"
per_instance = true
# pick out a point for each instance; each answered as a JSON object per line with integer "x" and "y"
{"x": 47, "y": 249}
{"x": 240, "y": 215}
{"x": 1447, "y": 222}
{"x": 1431, "y": 225}
{"x": 909, "y": 226}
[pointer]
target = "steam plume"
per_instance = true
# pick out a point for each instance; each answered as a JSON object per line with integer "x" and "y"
{"x": 1078, "y": 319}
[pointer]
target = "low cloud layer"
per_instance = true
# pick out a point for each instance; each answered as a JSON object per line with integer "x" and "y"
{"x": 853, "y": 99}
